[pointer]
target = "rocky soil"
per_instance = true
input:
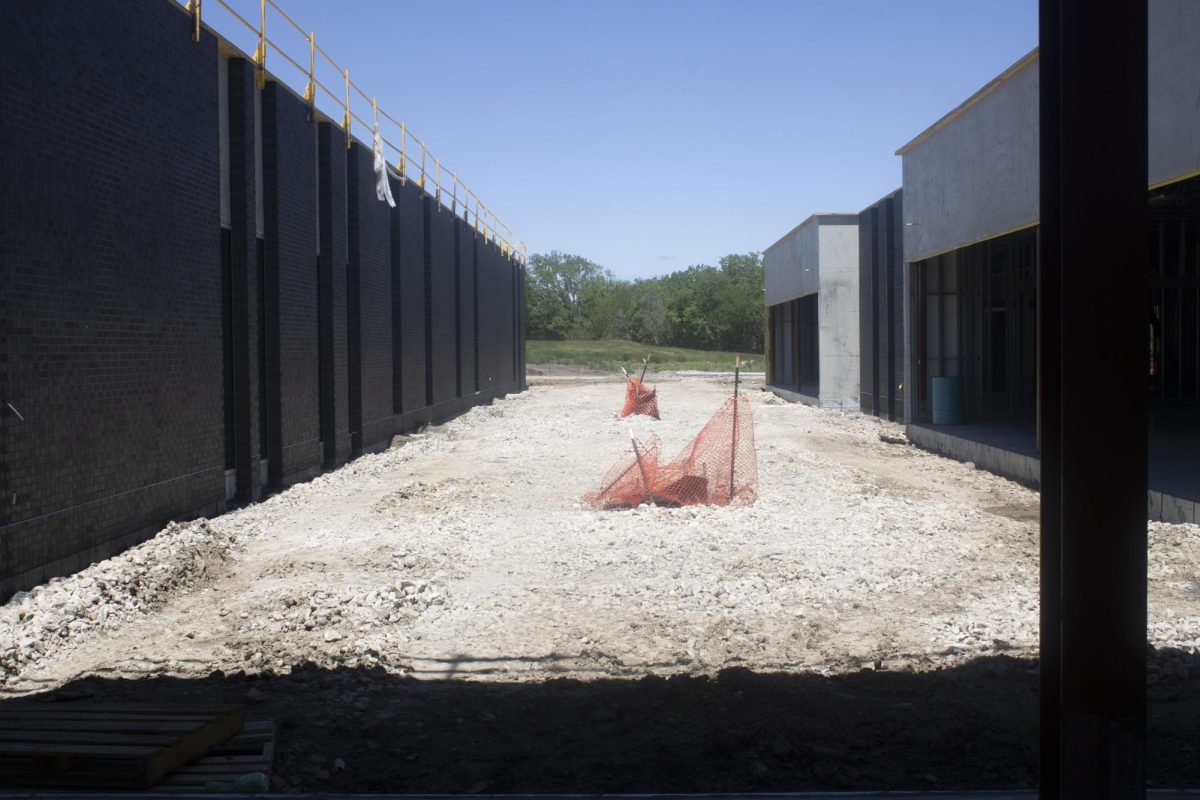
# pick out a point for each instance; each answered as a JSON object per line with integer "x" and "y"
{"x": 448, "y": 616}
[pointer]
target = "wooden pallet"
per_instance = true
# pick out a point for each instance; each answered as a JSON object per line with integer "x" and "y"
{"x": 106, "y": 745}
{"x": 252, "y": 750}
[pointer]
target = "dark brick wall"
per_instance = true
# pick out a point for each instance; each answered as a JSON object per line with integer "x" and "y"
{"x": 369, "y": 278}
{"x": 502, "y": 349}
{"x": 408, "y": 298}
{"x": 290, "y": 246}
{"x": 488, "y": 331}
{"x": 895, "y": 300}
{"x": 464, "y": 249}
{"x": 129, "y": 316}
{"x": 443, "y": 342}
{"x": 501, "y": 339}
{"x": 243, "y": 281}
{"x": 524, "y": 383}
{"x": 111, "y": 271}
{"x": 477, "y": 307}
{"x": 515, "y": 321}
{"x": 331, "y": 293}
{"x": 881, "y": 299}
{"x": 498, "y": 290}
{"x": 868, "y": 305}
{"x": 506, "y": 298}
{"x": 523, "y": 330}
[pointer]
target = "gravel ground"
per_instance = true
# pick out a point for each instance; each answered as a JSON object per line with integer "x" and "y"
{"x": 448, "y": 616}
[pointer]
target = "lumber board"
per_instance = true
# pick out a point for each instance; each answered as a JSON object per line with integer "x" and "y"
{"x": 78, "y": 749}
{"x": 108, "y": 745}
{"x": 153, "y": 709}
{"x": 252, "y": 750}
{"x": 88, "y": 736}
{"x": 13, "y": 728}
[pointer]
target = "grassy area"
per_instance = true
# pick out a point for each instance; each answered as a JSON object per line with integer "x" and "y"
{"x": 610, "y": 355}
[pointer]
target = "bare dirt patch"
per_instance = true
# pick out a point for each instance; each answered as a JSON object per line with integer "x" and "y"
{"x": 448, "y": 616}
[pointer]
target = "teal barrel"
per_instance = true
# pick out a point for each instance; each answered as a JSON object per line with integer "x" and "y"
{"x": 947, "y": 401}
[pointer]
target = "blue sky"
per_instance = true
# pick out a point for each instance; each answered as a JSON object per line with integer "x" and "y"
{"x": 648, "y": 135}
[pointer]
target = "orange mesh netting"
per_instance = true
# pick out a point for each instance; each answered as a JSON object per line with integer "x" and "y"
{"x": 719, "y": 467}
{"x": 639, "y": 399}
{"x": 631, "y": 480}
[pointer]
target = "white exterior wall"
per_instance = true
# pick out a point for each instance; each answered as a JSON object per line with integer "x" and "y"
{"x": 837, "y": 317}
{"x": 820, "y": 255}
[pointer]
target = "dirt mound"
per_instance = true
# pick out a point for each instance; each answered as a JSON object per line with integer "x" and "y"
{"x": 66, "y": 610}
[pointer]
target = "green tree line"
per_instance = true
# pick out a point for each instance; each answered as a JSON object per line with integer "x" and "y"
{"x": 701, "y": 307}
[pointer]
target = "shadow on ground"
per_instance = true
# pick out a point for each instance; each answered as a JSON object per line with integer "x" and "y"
{"x": 971, "y": 726}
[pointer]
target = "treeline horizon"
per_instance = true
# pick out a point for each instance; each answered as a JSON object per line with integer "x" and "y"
{"x": 701, "y": 307}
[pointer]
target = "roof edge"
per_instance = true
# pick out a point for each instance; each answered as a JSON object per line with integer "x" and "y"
{"x": 962, "y": 107}
{"x": 892, "y": 195}
{"x": 815, "y": 217}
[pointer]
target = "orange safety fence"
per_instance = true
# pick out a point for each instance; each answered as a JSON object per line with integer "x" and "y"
{"x": 719, "y": 467}
{"x": 629, "y": 482}
{"x": 639, "y": 399}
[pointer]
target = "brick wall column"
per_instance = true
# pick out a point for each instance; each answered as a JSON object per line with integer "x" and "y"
{"x": 243, "y": 308}
{"x": 331, "y": 213}
{"x": 290, "y": 283}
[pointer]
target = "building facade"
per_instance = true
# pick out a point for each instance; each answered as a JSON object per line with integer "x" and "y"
{"x": 206, "y": 301}
{"x": 812, "y": 298}
{"x": 970, "y": 244}
{"x": 941, "y": 281}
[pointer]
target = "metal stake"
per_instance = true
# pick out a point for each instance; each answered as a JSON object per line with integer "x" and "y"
{"x": 645, "y": 481}
{"x": 737, "y": 369}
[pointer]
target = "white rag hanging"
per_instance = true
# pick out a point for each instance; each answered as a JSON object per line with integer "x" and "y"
{"x": 383, "y": 187}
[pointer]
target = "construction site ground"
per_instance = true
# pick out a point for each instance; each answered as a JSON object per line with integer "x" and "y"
{"x": 447, "y": 616}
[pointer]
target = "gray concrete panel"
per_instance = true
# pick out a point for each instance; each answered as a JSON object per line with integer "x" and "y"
{"x": 973, "y": 175}
{"x": 790, "y": 265}
{"x": 837, "y": 304}
{"x": 820, "y": 256}
{"x": 1174, "y": 88}
{"x": 977, "y": 175}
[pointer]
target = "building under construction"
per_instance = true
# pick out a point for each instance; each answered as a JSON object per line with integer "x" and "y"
{"x": 971, "y": 251}
{"x": 945, "y": 296}
{"x": 812, "y": 302}
{"x": 208, "y": 295}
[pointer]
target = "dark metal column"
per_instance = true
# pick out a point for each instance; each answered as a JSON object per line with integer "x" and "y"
{"x": 1093, "y": 367}
{"x": 1049, "y": 431}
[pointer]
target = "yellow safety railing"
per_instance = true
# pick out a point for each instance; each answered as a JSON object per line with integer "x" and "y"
{"x": 407, "y": 155}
